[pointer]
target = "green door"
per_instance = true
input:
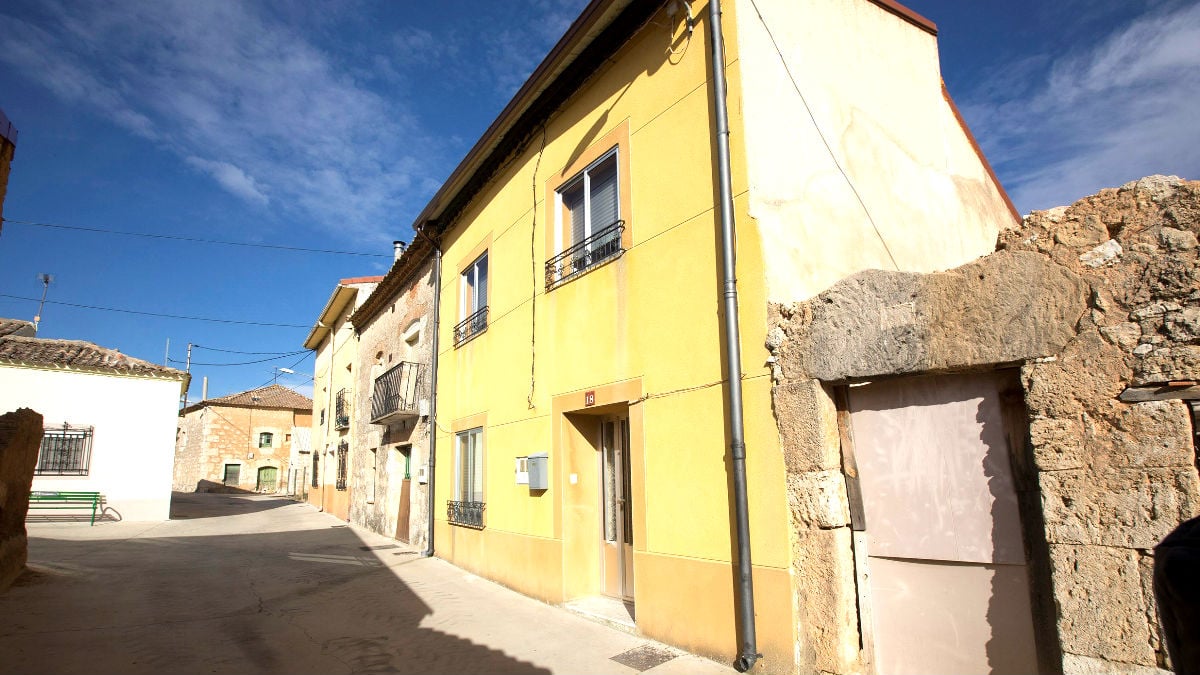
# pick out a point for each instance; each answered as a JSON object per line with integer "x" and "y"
{"x": 268, "y": 479}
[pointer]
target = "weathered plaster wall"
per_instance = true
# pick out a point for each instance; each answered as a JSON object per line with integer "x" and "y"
{"x": 20, "y": 438}
{"x": 841, "y": 179}
{"x": 382, "y": 345}
{"x": 1088, "y": 300}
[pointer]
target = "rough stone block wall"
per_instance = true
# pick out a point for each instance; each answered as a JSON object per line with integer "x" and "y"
{"x": 1089, "y": 300}
{"x": 381, "y": 346}
{"x": 20, "y": 438}
{"x": 215, "y": 435}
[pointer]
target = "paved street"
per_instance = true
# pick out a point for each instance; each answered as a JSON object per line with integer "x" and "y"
{"x": 257, "y": 584}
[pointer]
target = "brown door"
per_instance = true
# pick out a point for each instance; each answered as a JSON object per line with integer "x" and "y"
{"x": 405, "y": 506}
{"x": 617, "y": 509}
{"x": 949, "y": 582}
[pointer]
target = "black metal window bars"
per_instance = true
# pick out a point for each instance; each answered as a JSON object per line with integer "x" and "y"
{"x": 65, "y": 451}
{"x": 593, "y": 250}
{"x": 469, "y": 514}
{"x": 396, "y": 390}
{"x": 471, "y": 326}
{"x": 343, "y": 449}
{"x": 341, "y": 410}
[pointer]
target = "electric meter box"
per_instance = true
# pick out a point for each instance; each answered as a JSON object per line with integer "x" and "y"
{"x": 539, "y": 472}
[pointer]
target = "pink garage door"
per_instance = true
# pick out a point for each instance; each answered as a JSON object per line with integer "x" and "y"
{"x": 949, "y": 585}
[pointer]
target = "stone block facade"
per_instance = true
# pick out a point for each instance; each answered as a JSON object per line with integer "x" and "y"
{"x": 1098, "y": 307}
{"x": 20, "y": 438}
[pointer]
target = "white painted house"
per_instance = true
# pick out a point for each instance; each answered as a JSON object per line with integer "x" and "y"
{"x": 109, "y": 420}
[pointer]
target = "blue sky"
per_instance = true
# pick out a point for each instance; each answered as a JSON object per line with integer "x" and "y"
{"x": 329, "y": 125}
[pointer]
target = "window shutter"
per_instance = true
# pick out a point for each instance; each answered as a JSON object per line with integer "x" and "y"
{"x": 605, "y": 205}
{"x": 573, "y": 202}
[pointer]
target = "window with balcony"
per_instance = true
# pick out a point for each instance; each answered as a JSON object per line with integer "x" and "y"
{"x": 341, "y": 409}
{"x": 474, "y": 300}
{"x": 589, "y": 218}
{"x": 394, "y": 395}
{"x": 467, "y": 506}
{"x": 343, "y": 451}
{"x": 65, "y": 451}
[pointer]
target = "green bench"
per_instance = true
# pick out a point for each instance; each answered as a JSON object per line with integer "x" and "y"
{"x": 65, "y": 500}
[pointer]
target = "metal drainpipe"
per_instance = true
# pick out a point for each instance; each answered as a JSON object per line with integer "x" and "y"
{"x": 745, "y": 588}
{"x": 437, "y": 303}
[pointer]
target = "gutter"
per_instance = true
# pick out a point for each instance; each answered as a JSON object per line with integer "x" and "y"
{"x": 748, "y": 649}
{"x": 433, "y": 377}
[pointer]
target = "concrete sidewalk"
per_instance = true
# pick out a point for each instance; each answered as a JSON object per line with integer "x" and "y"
{"x": 257, "y": 584}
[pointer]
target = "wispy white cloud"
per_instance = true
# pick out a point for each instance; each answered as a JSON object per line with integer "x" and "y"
{"x": 240, "y": 96}
{"x": 1099, "y": 114}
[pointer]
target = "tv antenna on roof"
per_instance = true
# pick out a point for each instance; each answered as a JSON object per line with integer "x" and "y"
{"x": 45, "y": 279}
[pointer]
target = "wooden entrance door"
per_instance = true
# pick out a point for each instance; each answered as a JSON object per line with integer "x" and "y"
{"x": 404, "y": 508}
{"x": 949, "y": 582}
{"x": 268, "y": 479}
{"x": 617, "y": 508}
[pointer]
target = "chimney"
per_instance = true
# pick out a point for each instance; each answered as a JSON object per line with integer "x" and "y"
{"x": 204, "y": 389}
{"x": 398, "y": 247}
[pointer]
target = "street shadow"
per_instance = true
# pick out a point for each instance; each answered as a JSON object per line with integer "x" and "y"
{"x": 194, "y": 505}
{"x": 308, "y": 601}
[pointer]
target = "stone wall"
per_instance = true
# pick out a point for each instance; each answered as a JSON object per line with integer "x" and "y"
{"x": 20, "y": 438}
{"x": 381, "y": 346}
{"x": 1098, "y": 304}
{"x": 213, "y": 436}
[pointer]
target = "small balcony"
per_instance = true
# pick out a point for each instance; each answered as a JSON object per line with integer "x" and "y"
{"x": 471, "y": 326}
{"x": 469, "y": 514}
{"x": 341, "y": 410}
{"x": 395, "y": 394}
{"x": 601, "y": 246}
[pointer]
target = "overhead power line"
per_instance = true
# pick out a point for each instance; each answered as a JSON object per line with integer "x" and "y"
{"x": 235, "y": 351}
{"x": 197, "y": 240}
{"x": 243, "y": 363}
{"x": 161, "y": 315}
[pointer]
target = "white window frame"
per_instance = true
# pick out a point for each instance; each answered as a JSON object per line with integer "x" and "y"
{"x": 471, "y": 305}
{"x": 475, "y": 452}
{"x": 584, "y": 177}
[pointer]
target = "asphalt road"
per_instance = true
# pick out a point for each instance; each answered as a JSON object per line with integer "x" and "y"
{"x": 257, "y": 584}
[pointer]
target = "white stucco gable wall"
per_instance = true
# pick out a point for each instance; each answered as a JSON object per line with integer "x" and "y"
{"x": 133, "y": 445}
{"x": 873, "y": 82}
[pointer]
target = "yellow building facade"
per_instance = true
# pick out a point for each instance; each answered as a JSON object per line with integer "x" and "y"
{"x": 335, "y": 342}
{"x": 581, "y": 310}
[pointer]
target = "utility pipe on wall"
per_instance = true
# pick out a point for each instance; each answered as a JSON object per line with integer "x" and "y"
{"x": 748, "y": 650}
{"x": 433, "y": 373}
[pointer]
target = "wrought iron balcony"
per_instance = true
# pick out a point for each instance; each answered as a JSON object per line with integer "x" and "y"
{"x": 469, "y": 514}
{"x": 341, "y": 410}
{"x": 471, "y": 326}
{"x": 396, "y": 392}
{"x": 592, "y": 251}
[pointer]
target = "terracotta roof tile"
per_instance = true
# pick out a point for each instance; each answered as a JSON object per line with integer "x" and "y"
{"x": 16, "y": 327}
{"x": 77, "y": 354}
{"x": 273, "y": 396}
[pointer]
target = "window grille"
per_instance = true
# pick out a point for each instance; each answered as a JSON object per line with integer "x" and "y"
{"x": 341, "y": 410}
{"x": 316, "y": 472}
{"x": 342, "y": 451}
{"x": 65, "y": 451}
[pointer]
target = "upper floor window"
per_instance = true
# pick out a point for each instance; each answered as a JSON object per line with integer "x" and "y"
{"x": 65, "y": 451}
{"x": 589, "y": 218}
{"x": 473, "y": 300}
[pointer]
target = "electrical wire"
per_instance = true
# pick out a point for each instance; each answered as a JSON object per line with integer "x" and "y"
{"x": 243, "y": 363}
{"x": 821, "y": 134}
{"x": 533, "y": 267}
{"x": 195, "y": 240}
{"x": 160, "y": 315}
{"x": 235, "y": 351}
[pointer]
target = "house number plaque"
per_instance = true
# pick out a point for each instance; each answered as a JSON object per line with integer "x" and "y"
{"x": 589, "y": 398}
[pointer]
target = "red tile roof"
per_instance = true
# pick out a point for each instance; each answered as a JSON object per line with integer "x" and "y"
{"x": 273, "y": 396}
{"x": 78, "y": 355}
{"x": 16, "y": 326}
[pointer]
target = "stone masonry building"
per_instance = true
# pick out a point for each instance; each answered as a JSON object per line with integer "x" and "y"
{"x": 239, "y": 442}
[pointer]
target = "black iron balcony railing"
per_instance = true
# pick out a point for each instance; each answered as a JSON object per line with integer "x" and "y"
{"x": 601, "y": 246}
{"x": 396, "y": 391}
{"x": 341, "y": 410}
{"x": 469, "y": 514}
{"x": 470, "y": 327}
